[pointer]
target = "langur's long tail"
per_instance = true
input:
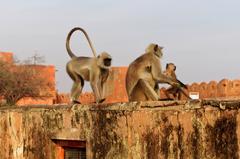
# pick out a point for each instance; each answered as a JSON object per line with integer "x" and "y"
{"x": 182, "y": 84}
{"x": 70, "y": 53}
{"x": 181, "y": 89}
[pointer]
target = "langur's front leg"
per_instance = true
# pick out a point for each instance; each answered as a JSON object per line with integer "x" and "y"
{"x": 101, "y": 92}
{"x": 96, "y": 91}
{"x": 148, "y": 90}
{"x": 102, "y": 85}
{"x": 165, "y": 79}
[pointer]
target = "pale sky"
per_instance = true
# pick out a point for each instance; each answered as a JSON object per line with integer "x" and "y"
{"x": 201, "y": 37}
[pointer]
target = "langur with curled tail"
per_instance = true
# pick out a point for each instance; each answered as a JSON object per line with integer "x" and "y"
{"x": 93, "y": 69}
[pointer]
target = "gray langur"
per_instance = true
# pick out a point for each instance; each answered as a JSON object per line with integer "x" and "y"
{"x": 93, "y": 69}
{"x": 144, "y": 74}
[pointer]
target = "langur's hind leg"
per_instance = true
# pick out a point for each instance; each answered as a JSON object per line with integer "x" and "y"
{"x": 77, "y": 90}
{"x": 148, "y": 90}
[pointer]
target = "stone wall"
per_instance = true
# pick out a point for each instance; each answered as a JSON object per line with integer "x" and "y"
{"x": 229, "y": 89}
{"x": 138, "y": 130}
{"x": 48, "y": 95}
{"x": 222, "y": 89}
{"x": 6, "y": 56}
{"x": 115, "y": 87}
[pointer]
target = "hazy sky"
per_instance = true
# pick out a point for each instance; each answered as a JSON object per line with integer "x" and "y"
{"x": 201, "y": 37}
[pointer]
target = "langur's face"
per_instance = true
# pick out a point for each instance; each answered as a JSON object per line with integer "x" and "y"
{"x": 158, "y": 51}
{"x": 107, "y": 61}
{"x": 104, "y": 60}
{"x": 171, "y": 67}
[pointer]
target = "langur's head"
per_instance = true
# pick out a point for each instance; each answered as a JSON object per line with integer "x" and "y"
{"x": 104, "y": 60}
{"x": 170, "y": 67}
{"x": 154, "y": 48}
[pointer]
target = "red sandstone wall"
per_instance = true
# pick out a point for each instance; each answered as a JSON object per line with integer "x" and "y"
{"x": 146, "y": 130}
{"x": 47, "y": 72}
{"x": 36, "y": 101}
{"x": 223, "y": 89}
{"x": 6, "y": 56}
{"x": 64, "y": 98}
{"x": 48, "y": 96}
{"x": 115, "y": 87}
{"x": 229, "y": 89}
{"x": 117, "y": 93}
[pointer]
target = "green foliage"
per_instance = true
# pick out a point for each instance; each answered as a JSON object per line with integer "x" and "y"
{"x": 18, "y": 81}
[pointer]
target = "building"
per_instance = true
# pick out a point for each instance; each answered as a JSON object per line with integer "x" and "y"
{"x": 6, "y": 56}
{"x": 48, "y": 96}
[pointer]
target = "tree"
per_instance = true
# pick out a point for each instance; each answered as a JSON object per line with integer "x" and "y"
{"x": 19, "y": 81}
{"x": 35, "y": 59}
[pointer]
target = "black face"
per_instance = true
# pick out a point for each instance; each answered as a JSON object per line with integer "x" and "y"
{"x": 107, "y": 62}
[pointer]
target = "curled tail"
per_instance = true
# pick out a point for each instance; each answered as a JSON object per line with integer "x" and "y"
{"x": 70, "y": 53}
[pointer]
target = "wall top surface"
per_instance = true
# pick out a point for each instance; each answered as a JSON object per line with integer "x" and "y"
{"x": 134, "y": 106}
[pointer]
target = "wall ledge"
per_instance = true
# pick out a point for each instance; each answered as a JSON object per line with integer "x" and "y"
{"x": 134, "y": 106}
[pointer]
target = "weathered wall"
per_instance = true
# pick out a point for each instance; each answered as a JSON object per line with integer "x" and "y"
{"x": 224, "y": 88}
{"x": 6, "y": 56}
{"x": 150, "y": 130}
{"x": 47, "y": 96}
{"x": 115, "y": 90}
{"x": 228, "y": 89}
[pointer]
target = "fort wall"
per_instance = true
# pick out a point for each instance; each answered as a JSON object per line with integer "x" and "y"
{"x": 225, "y": 89}
{"x": 115, "y": 87}
{"x": 6, "y": 56}
{"x": 48, "y": 95}
{"x": 137, "y": 130}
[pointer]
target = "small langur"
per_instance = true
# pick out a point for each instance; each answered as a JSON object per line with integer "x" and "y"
{"x": 94, "y": 69}
{"x": 175, "y": 91}
{"x": 144, "y": 74}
